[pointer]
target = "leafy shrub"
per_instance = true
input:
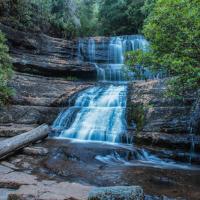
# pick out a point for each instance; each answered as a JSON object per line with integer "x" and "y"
{"x": 173, "y": 29}
{"x": 5, "y": 71}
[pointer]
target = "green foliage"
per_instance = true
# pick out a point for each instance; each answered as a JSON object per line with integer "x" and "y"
{"x": 146, "y": 59}
{"x": 148, "y": 7}
{"x": 5, "y": 71}
{"x": 71, "y": 18}
{"x": 88, "y": 12}
{"x": 118, "y": 17}
{"x": 173, "y": 28}
{"x": 55, "y": 17}
{"x": 137, "y": 114}
{"x": 140, "y": 57}
{"x": 72, "y": 78}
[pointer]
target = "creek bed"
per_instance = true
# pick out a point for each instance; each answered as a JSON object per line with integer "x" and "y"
{"x": 77, "y": 161}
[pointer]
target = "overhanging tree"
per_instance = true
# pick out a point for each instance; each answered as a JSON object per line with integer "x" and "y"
{"x": 173, "y": 29}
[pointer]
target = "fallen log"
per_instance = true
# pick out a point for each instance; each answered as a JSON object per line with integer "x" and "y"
{"x": 13, "y": 144}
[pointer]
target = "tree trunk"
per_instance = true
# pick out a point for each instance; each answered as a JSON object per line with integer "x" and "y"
{"x": 13, "y": 144}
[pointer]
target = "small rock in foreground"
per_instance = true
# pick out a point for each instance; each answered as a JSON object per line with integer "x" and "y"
{"x": 117, "y": 193}
{"x": 41, "y": 151}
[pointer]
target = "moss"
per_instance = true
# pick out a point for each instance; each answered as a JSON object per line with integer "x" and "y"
{"x": 71, "y": 78}
{"x": 5, "y": 71}
{"x": 136, "y": 114}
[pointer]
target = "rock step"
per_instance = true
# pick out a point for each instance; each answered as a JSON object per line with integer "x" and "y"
{"x": 170, "y": 126}
{"x": 54, "y": 92}
{"x": 37, "y": 100}
{"x": 46, "y": 56}
{"x": 28, "y": 114}
{"x": 10, "y": 130}
{"x": 51, "y": 66}
{"x": 169, "y": 110}
{"x": 152, "y": 101}
{"x": 177, "y": 154}
{"x": 169, "y": 141}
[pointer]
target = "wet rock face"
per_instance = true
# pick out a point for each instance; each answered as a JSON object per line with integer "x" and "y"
{"x": 96, "y": 52}
{"x": 118, "y": 193}
{"x": 160, "y": 114}
{"x": 160, "y": 120}
{"x": 195, "y": 116}
{"x": 40, "y": 61}
{"x": 37, "y": 100}
{"x": 47, "y": 56}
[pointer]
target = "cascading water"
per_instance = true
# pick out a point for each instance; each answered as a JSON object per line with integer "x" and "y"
{"x": 98, "y": 113}
{"x": 109, "y": 57}
{"x": 118, "y": 46}
{"x": 101, "y": 115}
{"x": 91, "y": 50}
{"x": 116, "y": 53}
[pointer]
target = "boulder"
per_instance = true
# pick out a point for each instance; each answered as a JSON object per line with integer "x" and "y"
{"x": 51, "y": 190}
{"x": 117, "y": 193}
{"x": 4, "y": 192}
{"x": 35, "y": 151}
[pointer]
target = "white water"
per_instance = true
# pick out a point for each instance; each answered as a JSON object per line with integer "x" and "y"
{"x": 143, "y": 158}
{"x": 101, "y": 115}
{"x": 120, "y": 45}
{"x": 113, "y": 54}
{"x": 91, "y": 50}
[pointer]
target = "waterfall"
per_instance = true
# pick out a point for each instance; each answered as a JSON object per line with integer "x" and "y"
{"x": 113, "y": 72}
{"x": 99, "y": 112}
{"x": 116, "y": 53}
{"x": 86, "y": 50}
{"x": 109, "y": 57}
{"x": 80, "y": 50}
{"x": 91, "y": 50}
{"x": 101, "y": 115}
{"x": 101, "y": 75}
{"x": 118, "y": 46}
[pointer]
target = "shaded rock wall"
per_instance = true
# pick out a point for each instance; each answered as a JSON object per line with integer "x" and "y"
{"x": 195, "y": 116}
{"x": 40, "y": 62}
{"x": 37, "y": 100}
{"x": 95, "y": 49}
{"x": 159, "y": 120}
{"x": 44, "y": 55}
